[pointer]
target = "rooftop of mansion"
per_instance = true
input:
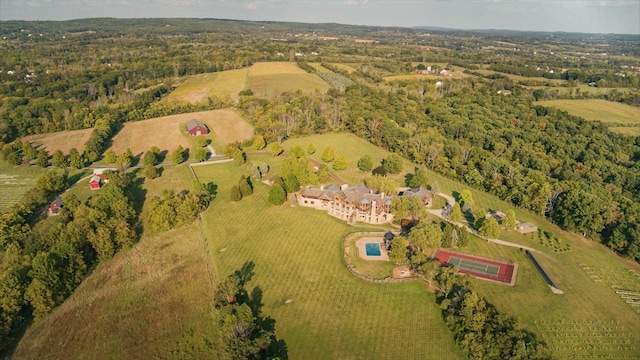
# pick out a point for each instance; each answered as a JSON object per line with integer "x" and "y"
{"x": 357, "y": 202}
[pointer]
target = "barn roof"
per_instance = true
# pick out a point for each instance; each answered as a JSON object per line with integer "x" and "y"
{"x": 193, "y": 123}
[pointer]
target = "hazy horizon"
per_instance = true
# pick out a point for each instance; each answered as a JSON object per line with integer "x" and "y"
{"x": 583, "y": 16}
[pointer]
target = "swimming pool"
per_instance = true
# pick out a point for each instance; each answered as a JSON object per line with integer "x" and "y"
{"x": 372, "y": 249}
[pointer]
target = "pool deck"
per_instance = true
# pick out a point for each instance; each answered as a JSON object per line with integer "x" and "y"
{"x": 363, "y": 252}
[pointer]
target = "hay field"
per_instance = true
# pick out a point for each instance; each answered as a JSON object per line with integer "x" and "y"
{"x": 273, "y": 68}
{"x": 198, "y": 88}
{"x": 272, "y": 78}
{"x": 319, "y": 67}
{"x": 61, "y": 140}
{"x": 517, "y": 78}
{"x": 581, "y": 88}
{"x": 164, "y": 132}
{"x": 348, "y": 68}
{"x": 414, "y": 77}
{"x": 626, "y": 130}
{"x": 598, "y": 109}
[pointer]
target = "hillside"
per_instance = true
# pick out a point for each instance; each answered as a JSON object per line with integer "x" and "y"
{"x": 167, "y": 132}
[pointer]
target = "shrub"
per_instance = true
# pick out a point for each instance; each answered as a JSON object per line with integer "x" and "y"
{"x": 277, "y": 195}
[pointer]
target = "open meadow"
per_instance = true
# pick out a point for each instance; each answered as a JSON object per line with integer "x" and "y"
{"x": 15, "y": 181}
{"x": 517, "y": 78}
{"x": 152, "y": 301}
{"x": 265, "y": 79}
{"x": 199, "y": 88}
{"x": 61, "y": 140}
{"x": 598, "y": 109}
{"x": 270, "y": 78}
{"x": 164, "y": 132}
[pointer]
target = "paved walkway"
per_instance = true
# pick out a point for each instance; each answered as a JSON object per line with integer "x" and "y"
{"x": 452, "y": 202}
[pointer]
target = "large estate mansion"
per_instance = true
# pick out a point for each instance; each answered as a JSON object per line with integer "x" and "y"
{"x": 358, "y": 202}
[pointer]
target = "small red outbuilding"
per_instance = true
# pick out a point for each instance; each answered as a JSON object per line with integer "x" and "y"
{"x": 195, "y": 128}
{"x": 95, "y": 182}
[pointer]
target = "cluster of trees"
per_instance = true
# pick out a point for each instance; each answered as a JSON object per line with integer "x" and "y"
{"x": 172, "y": 209}
{"x": 242, "y": 190}
{"x": 43, "y": 264}
{"x": 243, "y": 333}
{"x": 479, "y": 328}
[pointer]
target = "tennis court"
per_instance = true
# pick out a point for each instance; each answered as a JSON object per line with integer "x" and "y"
{"x": 474, "y": 266}
{"x": 479, "y": 267}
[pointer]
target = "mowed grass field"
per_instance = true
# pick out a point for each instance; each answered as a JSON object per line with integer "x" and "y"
{"x": 517, "y": 78}
{"x": 152, "y": 301}
{"x": 269, "y": 79}
{"x": 15, "y": 181}
{"x": 598, "y": 109}
{"x": 61, "y": 140}
{"x": 164, "y": 132}
{"x": 265, "y": 79}
{"x": 588, "y": 303}
{"x": 298, "y": 256}
{"x": 345, "y": 67}
{"x": 581, "y": 88}
{"x": 198, "y": 88}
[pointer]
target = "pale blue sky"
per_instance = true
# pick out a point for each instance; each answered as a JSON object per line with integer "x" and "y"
{"x": 594, "y": 16}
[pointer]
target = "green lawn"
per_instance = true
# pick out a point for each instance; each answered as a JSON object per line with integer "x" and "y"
{"x": 350, "y": 146}
{"x": 298, "y": 255}
{"x": 15, "y": 181}
{"x": 597, "y": 109}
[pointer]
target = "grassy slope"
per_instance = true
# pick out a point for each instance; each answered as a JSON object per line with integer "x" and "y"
{"x": 517, "y": 78}
{"x": 15, "y": 181}
{"x": 61, "y": 140}
{"x": 530, "y": 300}
{"x": 148, "y": 302}
{"x": 597, "y": 109}
{"x": 198, "y": 88}
{"x": 298, "y": 255}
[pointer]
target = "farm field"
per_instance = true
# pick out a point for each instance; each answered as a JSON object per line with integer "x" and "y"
{"x": 164, "y": 132}
{"x": 319, "y": 67}
{"x": 517, "y": 78}
{"x": 297, "y": 254}
{"x": 581, "y": 88}
{"x": 272, "y": 78}
{"x": 264, "y": 79}
{"x": 598, "y": 109}
{"x": 345, "y": 67}
{"x": 62, "y": 140}
{"x": 15, "y": 181}
{"x": 626, "y": 130}
{"x": 198, "y": 88}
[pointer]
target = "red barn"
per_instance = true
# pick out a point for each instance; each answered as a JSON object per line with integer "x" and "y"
{"x": 195, "y": 128}
{"x": 55, "y": 207}
{"x": 95, "y": 182}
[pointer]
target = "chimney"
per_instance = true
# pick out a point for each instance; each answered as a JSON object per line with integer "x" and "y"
{"x": 382, "y": 195}
{"x": 321, "y": 187}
